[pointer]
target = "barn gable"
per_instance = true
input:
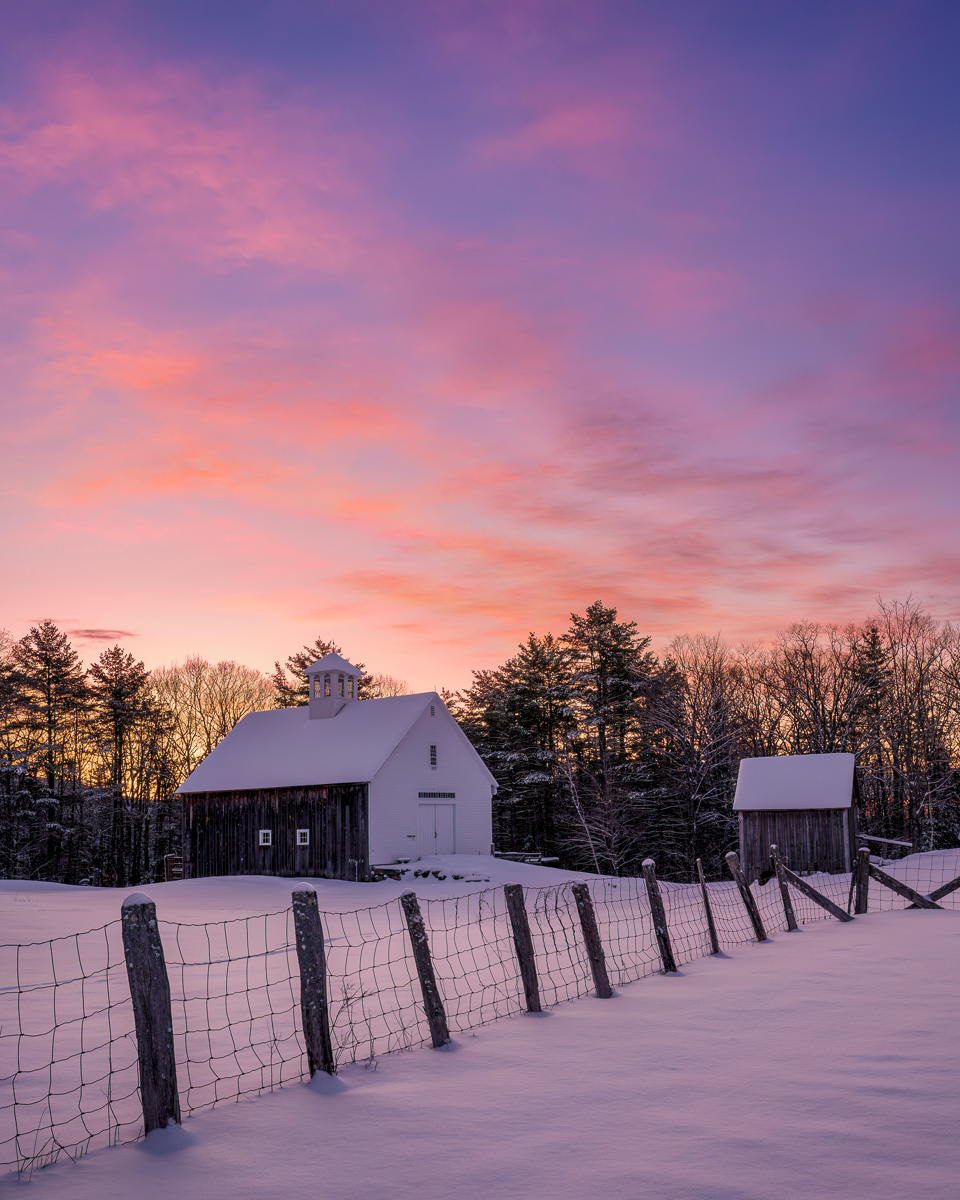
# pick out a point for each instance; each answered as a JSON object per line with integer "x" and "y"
{"x": 432, "y": 795}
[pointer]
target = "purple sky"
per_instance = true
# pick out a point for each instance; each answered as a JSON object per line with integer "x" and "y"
{"x": 421, "y": 325}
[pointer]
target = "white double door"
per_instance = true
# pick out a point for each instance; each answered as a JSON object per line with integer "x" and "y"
{"x": 436, "y": 832}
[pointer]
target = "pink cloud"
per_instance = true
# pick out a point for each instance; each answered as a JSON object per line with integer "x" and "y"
{"x": 624, "y": 497}
{"x": 568, "y": 127}
{"x": 216, "y": 170}
{"x": 923, "y": 354}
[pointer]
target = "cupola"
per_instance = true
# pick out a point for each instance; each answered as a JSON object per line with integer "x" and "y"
{"x": 333, "y": 682}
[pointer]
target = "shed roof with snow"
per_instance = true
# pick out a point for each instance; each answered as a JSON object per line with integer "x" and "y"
{"x": 790, "y": 782}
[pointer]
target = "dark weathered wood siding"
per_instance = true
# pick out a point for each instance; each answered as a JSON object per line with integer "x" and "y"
{"x": 810, "y": 839}
{"x": 221, "y": 832}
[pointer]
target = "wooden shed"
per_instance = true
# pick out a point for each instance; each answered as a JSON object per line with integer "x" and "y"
{"x": 336, "y": 786}
{"x": 805, "y": 804}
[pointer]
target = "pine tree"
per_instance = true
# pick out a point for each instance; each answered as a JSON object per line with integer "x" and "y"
{"x": 26, "y": 805}
{"x": 53, "y": 689}
{"x": 118, "y": 689}
{"x": 611, "y": 792}
{"x": 52, "y": 698}
{"x": 873, "y": 671}
{"x": 519, "y": 717}
{"x": 10, "y": 697}
{"x": 610, "y": 668}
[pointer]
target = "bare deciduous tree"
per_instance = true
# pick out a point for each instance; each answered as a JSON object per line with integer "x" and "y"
{"x": 378, "y": 687}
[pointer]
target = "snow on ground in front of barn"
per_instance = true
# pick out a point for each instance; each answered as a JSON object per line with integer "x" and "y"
{"x": 822, "y": 1064}
{"x": 37, "y": 911}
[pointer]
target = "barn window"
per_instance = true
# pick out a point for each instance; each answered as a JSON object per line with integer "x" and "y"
{"x": 303, "y": 837}
{"x": 316, "y": 689}
{"x": 340, "y": 686}
{"x": 326, "y": 685}
{"x": 433, "y": 757}
{"x": 266, "y": 837}
{"x": 349, "y": 687}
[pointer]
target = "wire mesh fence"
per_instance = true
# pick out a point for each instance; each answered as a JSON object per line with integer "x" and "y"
{"x": 473, "y": 957}
{"x": 68, "y": 1055}
{"x": 68, "y": 1049}
{"x": 372, "y": 984}
{"x": 925, "y": 873}
{"x": 561, "y": 959}
{"x": 234, "y": 995}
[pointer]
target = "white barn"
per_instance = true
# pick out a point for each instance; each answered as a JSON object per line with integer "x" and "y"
{"x": 338, "y": 786}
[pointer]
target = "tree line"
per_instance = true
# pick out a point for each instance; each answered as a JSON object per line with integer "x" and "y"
{"x": 90, "y": 758}
{"x": 604, "y": 752}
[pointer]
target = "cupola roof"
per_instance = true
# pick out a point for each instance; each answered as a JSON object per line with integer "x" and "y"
{"x": 332, "y": 662}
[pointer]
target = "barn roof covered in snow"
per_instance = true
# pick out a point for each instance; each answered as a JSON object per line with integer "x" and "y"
{"x": 285, "y": 748}
{"x": 795, "y": 781}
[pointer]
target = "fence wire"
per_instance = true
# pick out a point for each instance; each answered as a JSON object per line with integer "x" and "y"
{"x": 372, "y": 986}
{"x": 471, "y": 944}
{"x": 562, "y": 965}
{"x": 235, "y": 998}
{"x": 68, "y": 1052}
{"x": 923, "y": 872}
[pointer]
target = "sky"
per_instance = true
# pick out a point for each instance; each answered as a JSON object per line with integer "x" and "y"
{"x": 421, "y": 325}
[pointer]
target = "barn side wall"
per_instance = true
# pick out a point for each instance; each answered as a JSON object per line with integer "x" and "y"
{"x": 394, "y": 793}
{"x": 822, "y": 839}
{"x": 221, "y": 832}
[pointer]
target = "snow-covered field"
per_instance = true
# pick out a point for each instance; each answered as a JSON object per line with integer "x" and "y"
{"x": 823, "y": 1064}
{"x": 745, "y": 1076}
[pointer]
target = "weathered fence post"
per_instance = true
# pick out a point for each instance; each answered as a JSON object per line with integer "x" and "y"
{"x": 784, "y": 890}
{"x": 591, "y": 939}
{"x": 432, "y": 1003}
{"x": 152, "y": 1016}
{"x": 523, "y": 944}
{"x": 749, "y": 901}
{"x": 659, "y": 915}
{"x": 708, "y": 909}
{"x": 314, "y": 1008}
{"x": 862, "y": 895}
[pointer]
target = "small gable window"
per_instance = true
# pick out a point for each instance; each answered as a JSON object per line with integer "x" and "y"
{"x": 266, "y": 837}
{"x": 433, "y": 757}
{"x": 303, "y": 837}
{"x": 433, "y": 711}
{"x": 340, "y": 686}
{"x": 326, "y": 685}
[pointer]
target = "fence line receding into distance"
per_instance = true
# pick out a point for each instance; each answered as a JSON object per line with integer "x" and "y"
{"x": 71, "y": 1065}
